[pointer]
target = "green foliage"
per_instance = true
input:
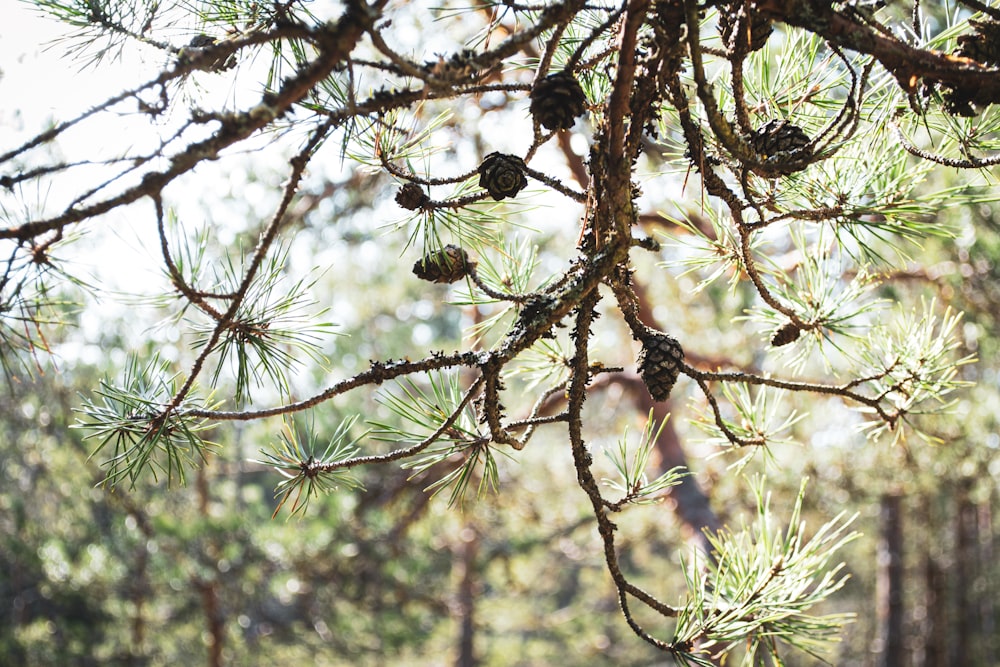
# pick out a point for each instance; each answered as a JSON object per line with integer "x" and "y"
{"x": 914, "y": 365}
{"x": 308, "y": 472}
{"x": 145, "y": 431}
{"x": 632, "y": 482}
{"x": 268, "y": 335}
{"x": 755, "y": 590}
{"x": 461, "y": 449}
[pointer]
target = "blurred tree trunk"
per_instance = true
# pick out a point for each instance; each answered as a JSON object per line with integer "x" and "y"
{"x": 466, "y": 605}
{"x": 988, "y": 591}
{"x": 964, "y": 640}
{"x": 934, "y": 636}
{"x": 468, "y": 551}
{"x": 139, "y": 588}
{"x": 690, "y": 502}
{"x": 209, "y": 587}
{"x": 889, "y": 582}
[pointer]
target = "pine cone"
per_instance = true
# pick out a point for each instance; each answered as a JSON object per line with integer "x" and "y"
{"x": 447, "y": 265}
{"x": 202, "y": 40}
{"x": 457, "y": 68}
{"x": 778, "y": 136}
{"x": 984, "y": 45}
{"x": 751, "y": 27}
{"x": 502, "y": 175}
{"x": 958, "y": 101}
{"x": 659, "y": 363}
{"x": 557, "y": 101}
{"x": 787, "y": 333}
{"x": 411, "y": 197}
{"x": 783, "y": 148}
{"x": 198, "y": 45}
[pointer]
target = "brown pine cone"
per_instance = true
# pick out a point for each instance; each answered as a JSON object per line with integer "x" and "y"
{"x": 557, "y": 101}
{"x": 201, "y": 43}
{"x": 783, "y": 147}
{"x": 502, "y": 175}
{"x": 457, "y": 68}
{"x": 659, "y": 363}
{"x": 448, "y": 265}
{"x": 751, "y": 27}
{"x": 778, "y": 136}
{"x": 411, "y": 197}
{"x": 984, "y": 45}
{"x": 787, "y": 333}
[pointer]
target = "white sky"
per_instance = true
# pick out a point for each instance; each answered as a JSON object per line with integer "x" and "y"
{"x": 37, "y": 80}
{"x": 39, "y": 85}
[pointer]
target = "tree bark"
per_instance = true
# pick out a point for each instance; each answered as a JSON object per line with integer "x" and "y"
{"x": 889, "y": 584}
{"x": 934, "y": 631}
{"x": 988, "y": 591}
{"x": 209, "y": 587}
{"x": 466, "y": 604}
{"x": 966, "y": 618}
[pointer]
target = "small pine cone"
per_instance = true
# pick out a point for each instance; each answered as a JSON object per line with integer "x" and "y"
{"x": 502, "y": 175}
{"x": 958, "y": 102}
{"x": 457, "y": 68}
{"x": 660, "y": 363}
{"x": 195, "y": 48}
{"x": 787, "y": 333}
{"x": 447, "y": 265}
{"x": 411, "y": 197}
{"x": 557, "y": 101}
{"x": 778, "y": 136}
{"x": 783, "y": 147}
{"x": 202, "y": 40}
{"x": 984, "y": 45}
{"x": 751, "y": 27}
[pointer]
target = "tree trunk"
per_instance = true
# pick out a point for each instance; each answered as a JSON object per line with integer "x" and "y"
{"x": 988, "y": 591}
{"x": 889, "y": 585}
{"x": 933, "y": 648}
{"x": 139, "y": 588}
{"x": 209, "y": 587}
{"x": 690, "y": 502}
{"x": 466, "y": 603}
{"x": 966, "y": 617}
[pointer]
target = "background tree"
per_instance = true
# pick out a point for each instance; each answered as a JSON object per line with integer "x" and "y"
{"x": 743, "y": 204}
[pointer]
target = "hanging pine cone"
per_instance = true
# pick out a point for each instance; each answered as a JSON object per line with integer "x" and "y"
{"x": 959, "y": 101}
{"x": 778, "y": 136}
{"x": 783, "y": 148}
{"x": 984, "y": 45}
{"x": 659, "y": 363}
{"x": 787, "y": 333}
{"x": 201, "y": 43}
{"x": 557, "y": 101}
{"x": 502, "y": 175}
{"x": 447, "y": 265}
{"x": 750, "y": 27}
{"x": 411, "y": 197}
{"x": 457, "y": 68}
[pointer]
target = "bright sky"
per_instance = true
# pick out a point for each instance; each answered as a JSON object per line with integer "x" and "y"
{"x": 38, "y": 86}
{"x": 36, "y": 78}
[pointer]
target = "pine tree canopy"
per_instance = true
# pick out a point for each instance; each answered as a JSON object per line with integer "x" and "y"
{"x": 374, "y": 236}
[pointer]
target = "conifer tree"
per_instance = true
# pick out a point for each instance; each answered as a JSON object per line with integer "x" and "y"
{"x": 778, "y": 152}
